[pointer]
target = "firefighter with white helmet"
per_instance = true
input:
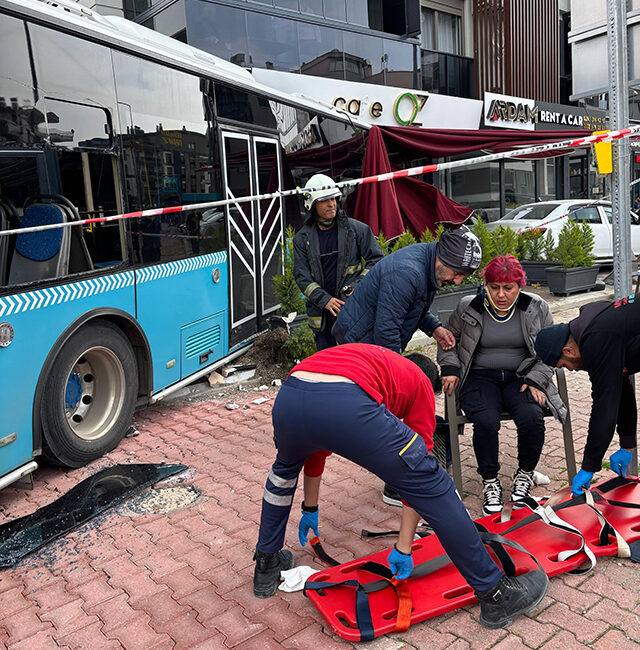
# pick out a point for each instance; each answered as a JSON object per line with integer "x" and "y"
{"x": 332, "y": 253}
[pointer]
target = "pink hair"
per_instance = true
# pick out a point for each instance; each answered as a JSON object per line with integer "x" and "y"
{"x": 504, "y": 269}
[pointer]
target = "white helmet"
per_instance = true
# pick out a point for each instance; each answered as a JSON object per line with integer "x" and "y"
{"x": 330, "y": 190}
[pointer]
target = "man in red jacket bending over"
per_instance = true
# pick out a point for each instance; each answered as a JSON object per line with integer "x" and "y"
{"x": 377, "y": 409}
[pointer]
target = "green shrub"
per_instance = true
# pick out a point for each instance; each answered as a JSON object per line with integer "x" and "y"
{"x": 405, "y": 239}
{"x": 300, "y": 344}
{"x": 575, "y": 245}
{"x": 285, "y": 288}
{"x": 485, "y": 238}
{"x": 505, "y": 242}
{"x": 383, "y": 243}
{"x": 427, "y": 236}
{"x": 531, "y": 245}
{"x": 549, "y": 246}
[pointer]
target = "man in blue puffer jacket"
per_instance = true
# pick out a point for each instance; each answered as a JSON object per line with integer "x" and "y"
{"x": 393, "y": 300}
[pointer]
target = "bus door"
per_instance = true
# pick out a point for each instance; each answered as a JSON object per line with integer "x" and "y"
{"x": 254, "y": 230}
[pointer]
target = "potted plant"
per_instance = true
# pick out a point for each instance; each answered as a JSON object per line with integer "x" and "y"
{"x": 574, "y": 252}
{"x": 535, "y": 250}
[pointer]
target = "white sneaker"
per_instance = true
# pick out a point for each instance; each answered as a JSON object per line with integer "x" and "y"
{"x": 491, "y": 496}
{"x": 522, "y": 484}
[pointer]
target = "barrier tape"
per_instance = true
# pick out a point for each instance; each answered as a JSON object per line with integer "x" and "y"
{"x": 606, "y": 136}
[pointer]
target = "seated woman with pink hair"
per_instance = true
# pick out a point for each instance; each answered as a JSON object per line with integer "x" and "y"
{"x": 494, "y": 368}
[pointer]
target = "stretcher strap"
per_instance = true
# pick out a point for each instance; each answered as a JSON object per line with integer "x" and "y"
{"x": 547, "y": 513}
{"x": 364, "y": 621}
{"x": 549, "y": 517}
{"x": 320, "y": 553}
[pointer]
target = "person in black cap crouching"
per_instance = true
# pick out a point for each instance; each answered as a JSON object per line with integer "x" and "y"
{"x": 604, "y": 340}
{"x": 393, "y": 300}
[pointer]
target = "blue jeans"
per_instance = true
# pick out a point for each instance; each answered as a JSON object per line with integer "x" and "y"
{"x": 342, "y": 418}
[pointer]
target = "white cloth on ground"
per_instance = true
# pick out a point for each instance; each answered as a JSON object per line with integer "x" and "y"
{"x": 295, "y": 578}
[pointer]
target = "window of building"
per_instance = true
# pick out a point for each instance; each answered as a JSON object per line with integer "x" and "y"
{"x": 273, "y": 42}
{"x": 519, "y": 183}
{"x": 219, "y": 30}
{"x": 546, "y": 181}
{"x": 441, "y": 31}
{"x": 133, "y": 8}
{"x": 170, "y": 21}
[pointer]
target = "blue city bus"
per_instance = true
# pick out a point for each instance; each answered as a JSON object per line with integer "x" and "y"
{"x": 100, "y": 116}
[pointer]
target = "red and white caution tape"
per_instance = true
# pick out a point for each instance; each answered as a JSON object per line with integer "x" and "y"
{"x": 607, "y": 136}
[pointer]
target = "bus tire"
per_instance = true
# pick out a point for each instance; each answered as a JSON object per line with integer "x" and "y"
{"x": 89, "y": 396}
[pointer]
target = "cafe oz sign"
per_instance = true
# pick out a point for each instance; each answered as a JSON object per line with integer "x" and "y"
{"x": 405, "y": 110}
{"x": 519, "y": 113}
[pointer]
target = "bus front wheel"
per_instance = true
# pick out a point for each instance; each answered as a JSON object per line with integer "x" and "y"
{"x": 89, "y": 395}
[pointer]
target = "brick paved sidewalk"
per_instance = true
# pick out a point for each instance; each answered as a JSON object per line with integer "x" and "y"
{"x": 181, "y": 578}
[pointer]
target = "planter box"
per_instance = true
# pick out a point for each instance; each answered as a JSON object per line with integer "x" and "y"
{"x": 563, "y": 282}
{"x": 446, "y": 300}
{"x": 536, "y": 271}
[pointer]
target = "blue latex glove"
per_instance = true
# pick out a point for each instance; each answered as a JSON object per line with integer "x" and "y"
{"x": 308, "y": 521}
{"x": 581, "y": 479}
{"x": 619, "y": 461}
{"x": 401, "y": 565}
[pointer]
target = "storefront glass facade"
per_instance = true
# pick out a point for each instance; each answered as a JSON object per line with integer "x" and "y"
{"x": 324, "y": 38}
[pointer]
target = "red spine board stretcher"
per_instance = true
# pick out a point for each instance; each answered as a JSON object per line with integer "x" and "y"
{"x": 443, "y": 590}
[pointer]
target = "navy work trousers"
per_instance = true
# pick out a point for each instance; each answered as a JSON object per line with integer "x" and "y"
{"x": 324, "y": 338}
{"x": 483, "y": 397}
{"x": 342, "y": 418}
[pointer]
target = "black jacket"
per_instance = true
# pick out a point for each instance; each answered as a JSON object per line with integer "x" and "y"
{"x": 608, "y": 337}
{"x": 358, "y": 251}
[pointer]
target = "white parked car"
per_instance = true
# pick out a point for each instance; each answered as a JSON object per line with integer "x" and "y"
{"x": 551, "y": 215}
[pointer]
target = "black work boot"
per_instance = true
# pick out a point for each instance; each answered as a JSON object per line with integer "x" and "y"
{"x": 267, "y": 573}
{"x": 511, "y": 596}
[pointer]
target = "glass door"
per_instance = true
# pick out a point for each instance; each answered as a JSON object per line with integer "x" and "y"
{"x": 270, "y": 221}
{"x": 254, "y": 230}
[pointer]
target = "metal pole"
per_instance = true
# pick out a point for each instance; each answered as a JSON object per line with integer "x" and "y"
{"x": 619, "y": 116}
{"x": 620, "y": 195}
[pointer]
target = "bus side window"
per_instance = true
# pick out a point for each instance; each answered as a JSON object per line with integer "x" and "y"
{"x": 89, "y": 180}
{"x": 169, "y": 162}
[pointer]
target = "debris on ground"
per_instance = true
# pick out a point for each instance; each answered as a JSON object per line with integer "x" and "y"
{"x": 260, "y": 400}
{"x": 269, "y": 355}
{"x": 234, "y": 374}
{"x": 215, "y": 378}
{"x": 231, "y": 406}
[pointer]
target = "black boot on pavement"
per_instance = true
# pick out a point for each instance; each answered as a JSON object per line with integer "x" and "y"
{"x": 267, "y": 573}
{"x": 510, "y": 597}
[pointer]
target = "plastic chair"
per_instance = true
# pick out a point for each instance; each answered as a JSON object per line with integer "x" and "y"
{"x": 50, "y": 253}
{"x": 457, "y": 420}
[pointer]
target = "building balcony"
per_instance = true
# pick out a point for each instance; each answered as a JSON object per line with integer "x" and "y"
{"x": 447, "y": 74}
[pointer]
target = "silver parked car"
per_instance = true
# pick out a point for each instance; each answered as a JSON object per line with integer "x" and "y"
{"x": 551, "y": 215}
